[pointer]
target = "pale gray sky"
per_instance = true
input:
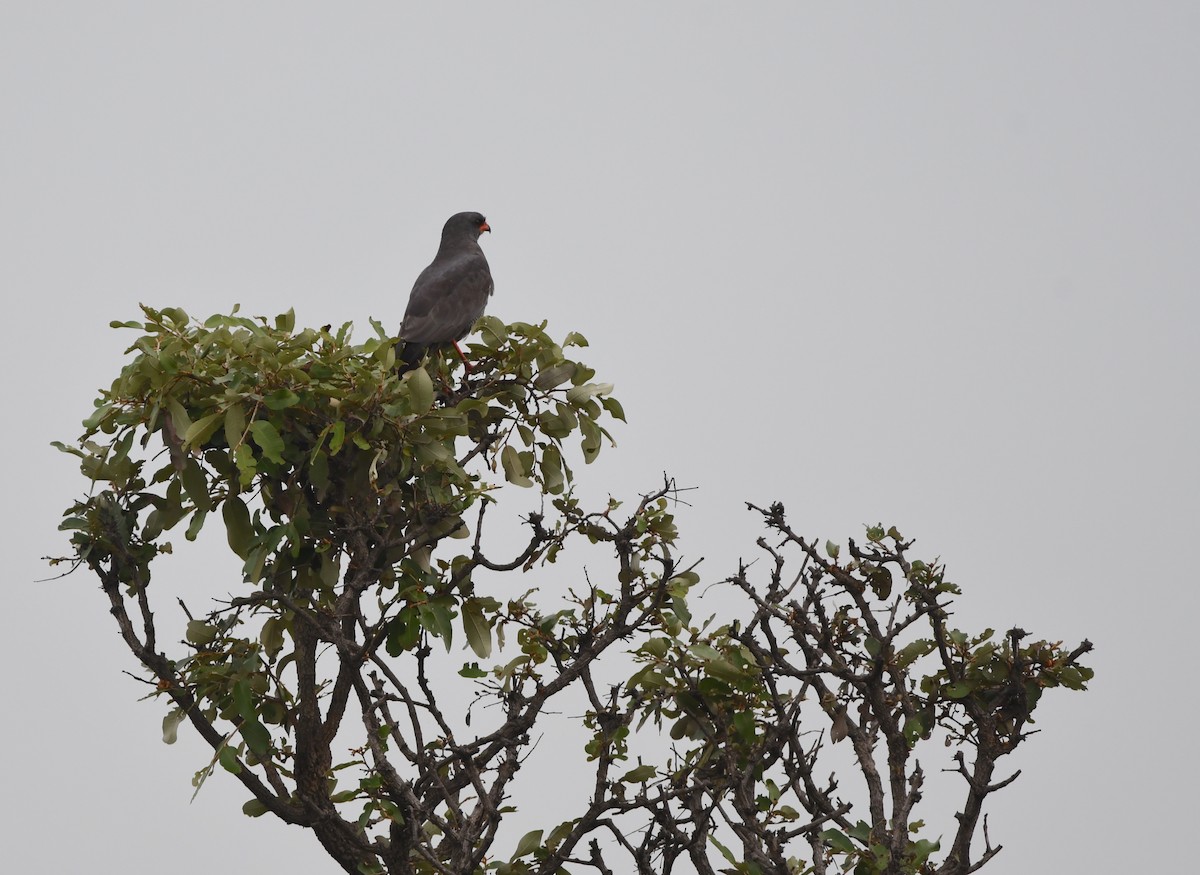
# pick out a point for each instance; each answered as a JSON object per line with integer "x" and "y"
{"x": 929, "y": 264}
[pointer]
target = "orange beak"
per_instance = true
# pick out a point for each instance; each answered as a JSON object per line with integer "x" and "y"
{"x": 485, "y": 227}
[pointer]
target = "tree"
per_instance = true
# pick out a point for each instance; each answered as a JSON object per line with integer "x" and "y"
{"x": 356, "y": 500}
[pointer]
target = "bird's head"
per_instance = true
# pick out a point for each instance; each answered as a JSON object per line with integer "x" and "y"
{"x": 469, "y": 225}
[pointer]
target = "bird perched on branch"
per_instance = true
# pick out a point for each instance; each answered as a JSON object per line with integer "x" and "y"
{"x": 450, "y": 294}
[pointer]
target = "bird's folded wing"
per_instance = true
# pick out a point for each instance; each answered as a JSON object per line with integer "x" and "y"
{"x": 445, "y": 305}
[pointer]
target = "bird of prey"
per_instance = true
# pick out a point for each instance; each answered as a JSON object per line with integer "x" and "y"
{"x": 450, "y": 294}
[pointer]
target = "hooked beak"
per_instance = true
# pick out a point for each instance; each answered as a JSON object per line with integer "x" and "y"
{"x": 485, "y": 227}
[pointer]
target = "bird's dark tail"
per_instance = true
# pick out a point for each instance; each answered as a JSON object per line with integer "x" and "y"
{"x": 408, "y": 356}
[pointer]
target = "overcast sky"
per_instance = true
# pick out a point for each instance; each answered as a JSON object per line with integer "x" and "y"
{"x": 932, "y": 265}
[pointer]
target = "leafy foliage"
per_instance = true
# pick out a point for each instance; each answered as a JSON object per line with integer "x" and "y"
{"x": 355, "y": 501}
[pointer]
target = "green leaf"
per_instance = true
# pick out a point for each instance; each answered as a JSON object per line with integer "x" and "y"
{"x": 235, "y": 425}
{"x": 268, "y": 440}
{"x": 913, "y": 651}
{"x": 403, "y": 632}
{"x": 725, "y": 852}
{"x": 529, "y": 843}
{"x": 717, "y": 666}
{"x": 914, "y": 728}
{"x": 724, "y": 670}
{"x": 555, "y": 375}
{"x": 195, "y": 484}
{"x": 591, "y": 439}
{"x": 493, "y": 331}
{"x": 229, "y": 759}
{"x": 271, "y": 636}
{"x": 959, "y": 690}
{"x": 201, "y": 633}
{"x": 170, "y": 725}
{"x": 318, "y": 472}
{"x": 838, "y": 840}
{"x": 179, "y": 416}
{"x": 861, "y": 831}
{"x": 514, "y": 471}
{"x": 833, "y": 550}
{"x": 436, "y": 617}
{"x": 336, "y": 436}
{"x": 202, "y": 429}
{"x": 552, "y": 470}
{"x": 243, "y": 699}
{"x": 238, "y": 528}
{"x": 258, "y": 738}
{"x": 74, "y": 451}
{"x": 682, "y": 582}
{"x": 579, "y": 394}
{"x": 281, "y": 399}
{"x": 743, "y": 722}
{"x": 254, "y": 808}
{"x": 614, "y": 408}
{"x": 705, "y": 652}
{"x": 640, "y": 774}
{"x": 176, "y": 315}
{"x": 197, "y": 523}
{"x": 1076, "y": 677}
{"x": 420, "y": 390}
{"x": 560, "y": 833}
{"x": 880, "y": 580}
{"x": 93, "y": 421}
{"x": 921, "y": 850}
{"x": 477, "y": 628}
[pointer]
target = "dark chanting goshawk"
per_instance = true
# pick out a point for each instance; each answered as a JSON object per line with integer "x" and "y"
{"x": 450, "y": 294}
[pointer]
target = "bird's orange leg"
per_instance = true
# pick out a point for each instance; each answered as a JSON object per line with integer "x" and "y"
{"x": 470, "y": 370}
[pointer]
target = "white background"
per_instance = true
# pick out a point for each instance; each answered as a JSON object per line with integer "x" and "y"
{"x": 931, "y": 265}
